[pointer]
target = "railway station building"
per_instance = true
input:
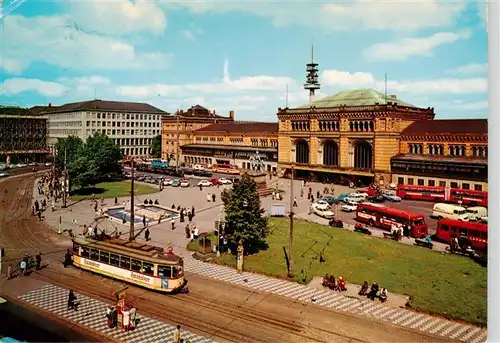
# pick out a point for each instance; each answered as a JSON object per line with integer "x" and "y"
{"x": 363, "y": 135}
{"x": 23, "y": 136}
{"x": 178, "y": 129}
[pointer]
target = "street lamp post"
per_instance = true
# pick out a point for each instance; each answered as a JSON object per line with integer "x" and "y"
{"x": 240, "y": 251}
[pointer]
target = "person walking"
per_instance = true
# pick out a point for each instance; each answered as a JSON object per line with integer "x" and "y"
{"x": 38, "y": 260}
{"x": 177, "y": 335}
{"x": 144, "y": 221}
{"x": 213, "y": 197}
{"x": 173, "y": 223}
{"x": 192, "y": 211}
{"x": 146, "y": 234}
{"x": 71, "y": 300}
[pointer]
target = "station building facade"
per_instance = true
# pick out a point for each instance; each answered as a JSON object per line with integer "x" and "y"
{"x": 235, "y": 143}
{"x": 364, "y": 135}
{"x": 178, "y": 130}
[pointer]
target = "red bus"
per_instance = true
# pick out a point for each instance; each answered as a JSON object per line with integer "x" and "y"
{"x": 441, "y": 194}
{"x": 385, "y": 217}
{"x": 225, "y": 168}
{"x": 477, "y": 233}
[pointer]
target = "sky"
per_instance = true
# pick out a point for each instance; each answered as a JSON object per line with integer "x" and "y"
{"x": 243, "y": 55}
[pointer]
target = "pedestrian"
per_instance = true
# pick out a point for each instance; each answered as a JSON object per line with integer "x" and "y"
{"x": 302, "y": 192}
{"x": 71, "y": 300}
{"x": 213, "y": 197}
{"x": 173, "y": 223}
{"x": 201, "y": 188}
{"x": 208, "y": 197}
{"x": 67, "y": 259}
{"x": 22, "y": 265}
{"x": 188, "y": 231}
{"x": 38, "y": 260}
{"x": 196, "y": 233}
{"x": 190, "y": 217}
{"x": 143, "y": 220}
{"x": 192, "y": 211}
{"x": 318, "y": 194}
{"x": 295, "y": 202}
{"x": 116, "y": 200}
{"x": 95, "y": 231}
{"x": 177, "y": 335}
{"x": 9, "y": 272}
{"x": 146, "y": 234}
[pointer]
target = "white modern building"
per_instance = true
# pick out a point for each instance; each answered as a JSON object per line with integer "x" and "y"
{"x": 131, "y": 125}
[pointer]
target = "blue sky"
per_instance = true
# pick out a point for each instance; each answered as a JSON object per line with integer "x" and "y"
{"x": 242, "y": 55}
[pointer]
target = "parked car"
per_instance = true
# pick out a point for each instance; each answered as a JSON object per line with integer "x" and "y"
{"x": 205, "y": 183}
{"x": 214, "y": 181}
{"x": 184, "y": 183}
{"x": 224, "y": 181}
{"x": 176, "y": 183}
{"x": 4, "y": 174}
{"x": 391, "y": 196}
{"x": 349, "y": 206}
{"x": 167, "y": 182}
{"x": 322, "y": 213}
{"x": 330, "y": 199}
{"x": 321, "y": 204}
{"x": 378, "y": 198}
{"x": 342, "y": 196}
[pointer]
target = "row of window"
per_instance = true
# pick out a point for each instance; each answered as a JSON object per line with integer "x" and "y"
{"x": 326, "y": 125}
{"x": 66, "y": 132}
{"x": 70, "y": 123}
{"x": 113, "y": 116}
{"x": 130, "y": 263}
{"x": 301, "y": 125}
{"x": 432, "y": 183}
{"x": 453, "y": 150}
{"x": 463, "y": 231}
{"x": 113, "y": 132}
{"x": 362, "y": 126}
{"x": 94, "y": 123}
{"x": 132, "y": 141}
{"x": 136, "y": 151}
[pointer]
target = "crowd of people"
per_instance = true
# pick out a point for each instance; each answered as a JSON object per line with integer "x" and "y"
{"x": 373, "y": 293}
{"x": 330, "y": 282}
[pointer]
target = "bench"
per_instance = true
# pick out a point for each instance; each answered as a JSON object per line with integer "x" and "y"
{"x": 422, "y": 243}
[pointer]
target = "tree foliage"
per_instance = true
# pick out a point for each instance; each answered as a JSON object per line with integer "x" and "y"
{"x": 156, "y": 146}
{"x": 90, "y": 162}
{"x": 245, "y": 219}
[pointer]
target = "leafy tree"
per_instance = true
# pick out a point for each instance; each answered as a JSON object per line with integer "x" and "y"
{"x": 73, "y": 146}
{"x": 156, "y": 146}
{"x": 80, "y": 173}
{"x": 103, "y": 155}
{"x": 244, "y": 216}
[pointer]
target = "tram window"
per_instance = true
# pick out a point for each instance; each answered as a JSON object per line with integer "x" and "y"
{"x": 420, "y": 182}
{"x": 104, "y": 256}
{"x": 136, "y": 265}
{"x": 401, "y": 180}
{"x": 94, "y": 254}
{"x": 473, "y": 233}
{"x": 147, "y": 268}
{"x": 125, "y": 262}
{"x": 85, "y": 252}
{"x": 114, "y": 260}
{"x": 165, "y": 271}
{"x": 442, "y": 183}
{"x": 453, "y": 185}
{"x": 478, "y": 187}
{"x": 445, "y": 228}
{"x": 177, "y": 271}
{"x": 410, "y": 181}
{"x": 75, "y": 248}
{"x": 431, "y": 183}
{"x": 418, "y": 222}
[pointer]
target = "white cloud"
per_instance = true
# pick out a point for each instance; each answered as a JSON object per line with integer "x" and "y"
{"x": 394, "y": 15}
{"x": 473, "y": 68}
{"x": 86, "y": 80}
{"x": 339, "y": 79}
{"x": 400, "y": 50}
{"x": 117, "y": 17}
{"x": 188, "y": 34}
{"x": 48, "y": 39}
{"x": 16, "y": 86}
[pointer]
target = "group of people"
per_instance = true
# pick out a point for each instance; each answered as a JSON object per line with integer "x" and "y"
{"x": 459, "y": 244}
{"x": 329, "y": 281}
{"x": 373, "y": 292}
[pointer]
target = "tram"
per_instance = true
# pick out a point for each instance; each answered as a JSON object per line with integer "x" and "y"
{"x": 133, "y": 262}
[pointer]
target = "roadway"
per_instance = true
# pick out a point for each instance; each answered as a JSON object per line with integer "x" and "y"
{"x": 224, "y": 312}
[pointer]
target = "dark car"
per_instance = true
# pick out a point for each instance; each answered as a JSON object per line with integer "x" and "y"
{"x": 376, "y": 198}
{"x": 330, "y": 199}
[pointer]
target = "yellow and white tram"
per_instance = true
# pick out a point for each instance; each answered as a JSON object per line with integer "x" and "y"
{"x": 134, "y": 262}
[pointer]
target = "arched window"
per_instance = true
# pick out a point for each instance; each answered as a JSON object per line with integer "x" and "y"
{"x": 363, "y": 155}
{"x": 302, "y": 152}
{"x": 330, "y": 154}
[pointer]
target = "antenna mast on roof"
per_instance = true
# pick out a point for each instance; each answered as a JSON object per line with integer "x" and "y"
{"x": 286, "y": 96}
{"x": 385, "y": 88}
{"x": 312, "y": 83}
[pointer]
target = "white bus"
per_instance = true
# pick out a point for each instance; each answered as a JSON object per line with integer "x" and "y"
{"x": 450, "y": 211}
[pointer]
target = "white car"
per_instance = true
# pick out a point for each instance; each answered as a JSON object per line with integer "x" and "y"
{"x": 321, "y": 204}
{"x": 167, "y": 182}
{"x": 349, "y": 206}
{"x": 225, "y": 181}
{"x": 184, "y": 183}
{"x": 204, "y": 183}
{"x": 323, "y": 213}
{"x": 391, "y": 196}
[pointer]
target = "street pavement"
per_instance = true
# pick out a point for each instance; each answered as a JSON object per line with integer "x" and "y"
{"x": 91, "y": 314}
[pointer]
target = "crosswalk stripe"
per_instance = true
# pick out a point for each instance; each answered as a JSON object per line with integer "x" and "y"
{"x": 440, "y": 326}
{"x": 481, "y": 338}
{"x": 470, "y": 334}
{"x": 460, "y": 331}
{"x": 450, "y": 329}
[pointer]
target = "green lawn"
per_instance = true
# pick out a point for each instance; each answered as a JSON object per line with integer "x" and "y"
{"x": 111, "y": 190}
{"x": 442, "y": 284}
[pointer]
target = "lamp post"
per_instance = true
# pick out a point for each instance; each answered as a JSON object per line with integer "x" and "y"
{"x": 240, "y": 251}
